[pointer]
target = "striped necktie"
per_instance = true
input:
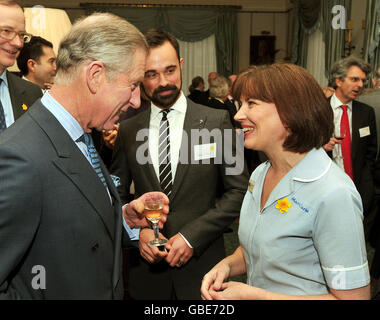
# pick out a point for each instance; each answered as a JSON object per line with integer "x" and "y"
{"x": 165, "y": 168}
{"x": 95, "y": 161}
{"x": 3, "y": 124}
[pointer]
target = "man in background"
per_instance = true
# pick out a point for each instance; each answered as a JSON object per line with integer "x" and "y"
{"x": 373, "y": 99}
{"x": 354, "y": 146}
{"x": 16, "y": 95}
{"x": 188, "y": 169}
{"x": 37, "y": 62}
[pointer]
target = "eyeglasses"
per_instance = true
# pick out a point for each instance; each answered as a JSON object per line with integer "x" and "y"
{"x": 10, "y": 35}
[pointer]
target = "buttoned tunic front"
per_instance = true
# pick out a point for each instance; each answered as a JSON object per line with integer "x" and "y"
{"x": 309, "y": 235}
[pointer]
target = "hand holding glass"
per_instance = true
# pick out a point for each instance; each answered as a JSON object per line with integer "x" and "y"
{"x": 153, "y": 212}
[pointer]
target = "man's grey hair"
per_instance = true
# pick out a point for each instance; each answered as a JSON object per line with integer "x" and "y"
{"x": 101, "y": 37}
{"x": 340, "y": 68}
{"x": 219, "y": 87}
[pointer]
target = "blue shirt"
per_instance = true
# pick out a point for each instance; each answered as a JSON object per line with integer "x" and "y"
{"x": 309, "y": 236}
{"x": 6, "y": 100}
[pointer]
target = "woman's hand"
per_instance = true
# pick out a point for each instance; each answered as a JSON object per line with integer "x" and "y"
{"x": 213, "y": 280}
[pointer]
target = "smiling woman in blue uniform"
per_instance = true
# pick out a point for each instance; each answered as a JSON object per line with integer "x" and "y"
{"x": 301, "y": 231}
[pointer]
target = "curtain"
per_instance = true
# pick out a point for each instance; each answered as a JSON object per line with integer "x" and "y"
{"x": 188, "y": 25}
{"x": 333, "y": 38}
{"x": 311, "y": 15}
{"x": 199, "y": 60}
{"x": 371, "y": 52}
{"x": 307, "y": 16}
{"x": 316, "y": 57}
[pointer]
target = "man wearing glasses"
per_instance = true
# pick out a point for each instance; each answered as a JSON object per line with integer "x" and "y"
{"x": 354, "y": 145}
{"x": 16, "y": 95}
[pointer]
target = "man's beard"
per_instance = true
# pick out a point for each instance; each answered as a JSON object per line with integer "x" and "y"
{"x": 167, "y": 100}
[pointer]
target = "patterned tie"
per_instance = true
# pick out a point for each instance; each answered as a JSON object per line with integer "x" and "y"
{"x": 95, "y": 161}
{"x": 165, "y": 168}
{"x": 3, "y": 124}
{"x": 346, "y": 142}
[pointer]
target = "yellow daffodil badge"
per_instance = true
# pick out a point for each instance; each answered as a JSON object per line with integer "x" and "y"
{"x": 24, "y": 107}
{"x": 283, "y": 205}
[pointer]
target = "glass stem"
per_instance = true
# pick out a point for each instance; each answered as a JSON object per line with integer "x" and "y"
{"x": 156, "y": 230}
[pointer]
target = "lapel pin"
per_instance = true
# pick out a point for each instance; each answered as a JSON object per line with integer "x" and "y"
{"x": 24, "y": 107}
{"x": 251, "y": 185}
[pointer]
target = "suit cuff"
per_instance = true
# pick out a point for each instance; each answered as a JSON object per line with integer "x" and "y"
{"x": 187, "y": 242}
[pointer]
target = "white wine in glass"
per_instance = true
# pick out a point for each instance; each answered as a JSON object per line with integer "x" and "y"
{"x": 153, "y": 212}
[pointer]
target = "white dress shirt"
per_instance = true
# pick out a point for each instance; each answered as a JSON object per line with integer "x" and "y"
{"x": 338, "y": 111}
{"x": 176, "y": 118}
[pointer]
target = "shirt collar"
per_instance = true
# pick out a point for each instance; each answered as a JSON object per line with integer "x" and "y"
{"x": 69, "y": 123}
{"x": 336, "y": 103}
{"x": 312, "y": 167}
{"x": 3, "y": 76}
{"x": 180, "y": 106}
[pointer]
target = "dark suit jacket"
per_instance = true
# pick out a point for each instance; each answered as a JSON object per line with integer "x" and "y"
{"x": 227, "y": 105}
{"x": 22, "y": 92}
{"x": 55, "y": 213}
{"x": 364, "y": 151}
{"x": 193, "y": 209}
{"x": 199, "y": 97}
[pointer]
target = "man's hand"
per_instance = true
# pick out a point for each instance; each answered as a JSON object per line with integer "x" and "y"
{"x": 109, "y": 136}
{"x": 179, "y": 252}
{"x": 331, "y": 144}
{"x": 133, "y": 213}
{"x": 150, "y": 254}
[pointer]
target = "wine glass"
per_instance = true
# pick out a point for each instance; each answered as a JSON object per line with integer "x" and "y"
{"x": 339, "y": 134}
{"x": 153, "y": 211}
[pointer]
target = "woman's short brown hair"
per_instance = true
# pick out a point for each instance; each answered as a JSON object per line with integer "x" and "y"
{"x": 300, "y": 102}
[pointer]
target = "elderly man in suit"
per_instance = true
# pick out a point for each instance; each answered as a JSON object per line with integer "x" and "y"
{"x": 170, "y": 156}
{"x": 60, "y": 214}
{"x": 354, "y": 146}
{"x": 16, "y": 95}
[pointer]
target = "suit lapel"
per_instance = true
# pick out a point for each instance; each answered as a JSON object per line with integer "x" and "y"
{"x": 193, "y": 120}
{"x": 356, "y": 118}
{"x": 16, "y": 93}
{"x": 148, "y": 169}
{"x": 75, "y": 166}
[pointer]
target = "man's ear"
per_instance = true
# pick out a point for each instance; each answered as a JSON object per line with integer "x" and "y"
{"x": 95, "y": 75}
{"x": 338, "y": 82}
{"x": 31, "y": 65}
{"x": 181, "y": 63}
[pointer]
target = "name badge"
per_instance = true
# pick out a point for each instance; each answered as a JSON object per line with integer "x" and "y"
{"x": 205, "y": 151}
{"x": 363, "y": 132}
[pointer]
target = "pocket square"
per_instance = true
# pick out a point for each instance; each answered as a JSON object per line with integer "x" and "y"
{"x": 116, "y": 180}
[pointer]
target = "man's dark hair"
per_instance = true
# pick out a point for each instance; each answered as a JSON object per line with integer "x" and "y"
{"x": 31, "y": 50}
{"x": 156, "y": 38}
